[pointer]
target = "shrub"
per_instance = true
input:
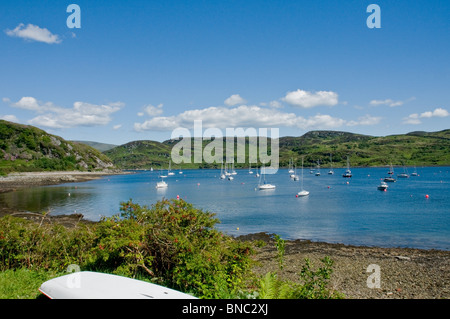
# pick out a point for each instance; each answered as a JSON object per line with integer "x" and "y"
{"x": 313, "y": 284}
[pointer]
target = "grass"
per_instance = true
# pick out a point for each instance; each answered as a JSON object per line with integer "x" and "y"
{"x": 22, "y": 283}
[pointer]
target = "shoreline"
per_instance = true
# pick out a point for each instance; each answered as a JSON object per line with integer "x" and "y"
{"x": 405, "y": 273}
{"x": 17, "y": 180}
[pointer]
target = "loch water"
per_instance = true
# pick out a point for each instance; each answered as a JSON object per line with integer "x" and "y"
{"x": 413, "y": 212}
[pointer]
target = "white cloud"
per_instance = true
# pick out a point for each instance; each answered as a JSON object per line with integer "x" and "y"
{"x": 242, "y": 116}
{"x": 34, "y": 33}
{"x": 415, "y": 117}
{"x": 81, "y": 114}
{"x": 28, "y": 103}
{"x": 275, "y": 104}
{"x": 152, "y": 110}
{"x": 9, "y": 117}
{"x": 306, "y": 99}
{"x": 116, "y": 127}
{"x": 234, "y": 99}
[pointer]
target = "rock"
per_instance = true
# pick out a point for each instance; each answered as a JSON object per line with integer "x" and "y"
{"x": 402, "y": 258}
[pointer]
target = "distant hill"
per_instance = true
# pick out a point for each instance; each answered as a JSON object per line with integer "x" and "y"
{"x": 140, "y": 155}
{"x": 102, "y": 147}
{"x": 415, "y": 148}
{"x": 27, "y": 148}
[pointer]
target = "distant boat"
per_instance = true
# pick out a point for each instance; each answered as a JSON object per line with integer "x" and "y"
{"x": 169, "y": 172}
{"x": 389, "y": 179}
{"x": 415, "y": 172}
{"x": 404, "y": 174}
{"x": 295, "y": 177}
{"x": 226, "y": 172}
{"x": 264, "y": 185}
{"x": 391, "y": 170}
{"x": 161, "y": 184}
{"x": 348, "y": 172}
{"x": 233, "y": 172}
{"x": 383, "y": 186}
{"x": 331, "y": 172}
{"x": 222, "y": 174}
{"x": 257, "y": 174}
{"x": 318, "y": 169}
{"x": 162, "y": 176}
{"x": 151, "y": 169}
{"x": 250, "y": 168}
{"x": 303, "y": 192}
{"x": 291, "y": 168}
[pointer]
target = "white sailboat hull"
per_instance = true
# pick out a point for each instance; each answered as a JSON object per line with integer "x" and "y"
{"x": 303, "y": 193}
{"x": 266, "y": 186}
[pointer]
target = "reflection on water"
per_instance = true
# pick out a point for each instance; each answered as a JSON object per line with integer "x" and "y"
{"x": 343, "y": 210}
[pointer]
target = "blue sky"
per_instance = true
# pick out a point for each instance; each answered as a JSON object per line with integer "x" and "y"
{"x": 138, "y": 69}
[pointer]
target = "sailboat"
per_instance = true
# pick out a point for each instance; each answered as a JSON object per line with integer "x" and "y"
{"x": 264, "y": 185}
{"x": 162, "y": 183}
{"x": 257, "y": 174}
{"x": 169, "y": 172}
{"x": 303, "y": 192}
{"x": 331, "y": 172}
{"x": 226, "y": 172}
{"x": 295, "y": 178}
{"x": 222, "y": 174}
{"x": 318, "y": 168}
{"x": 391, "y": 170}
{"x": 415, "y": 172}
{"x": 291, "y": 163}
{"x": 250, "y": 168}
{"x": 404, "y": 174}
{"x": 348, "y": 172}
{"x": 233, "y": 172}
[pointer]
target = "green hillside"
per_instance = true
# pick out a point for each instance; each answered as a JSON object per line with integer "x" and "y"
{"x": 27, "y": 148}
{"x": 415, "y": 148}
{"x": 102, "y": 147}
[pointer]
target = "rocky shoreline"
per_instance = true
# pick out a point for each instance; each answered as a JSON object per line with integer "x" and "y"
{"x": 14, "y": 181}
{"x": 405, "y": 273}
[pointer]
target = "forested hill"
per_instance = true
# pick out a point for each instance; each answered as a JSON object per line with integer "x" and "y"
{"x": 415, "y": 148}
{"x": 27, "y": 148}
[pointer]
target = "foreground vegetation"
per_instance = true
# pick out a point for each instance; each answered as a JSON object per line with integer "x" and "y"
{"x": 171, "y": 243}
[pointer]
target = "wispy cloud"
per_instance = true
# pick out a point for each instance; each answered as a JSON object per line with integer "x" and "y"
{"x": 415, "y": 118}
{"x": 34, "y": 33}
{"x": 306, "y": 99}
{"x": 81, "y": 114}
{"x": 390, "y": 102}
{"x": 365, "y": 120}
{"x": 9, "y": 117}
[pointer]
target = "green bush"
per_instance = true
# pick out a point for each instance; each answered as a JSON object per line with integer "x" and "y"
{"x": 313, "y": 284}
{"x": 172, "y": 243}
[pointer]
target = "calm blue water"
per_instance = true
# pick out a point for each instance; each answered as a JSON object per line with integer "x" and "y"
{"x": 354, "y": 213}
